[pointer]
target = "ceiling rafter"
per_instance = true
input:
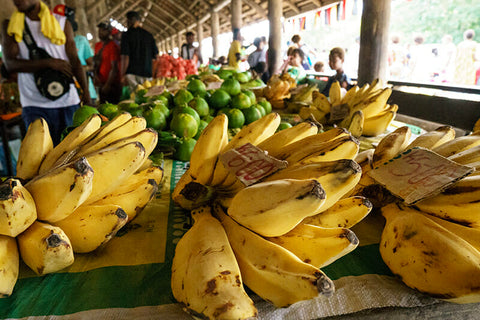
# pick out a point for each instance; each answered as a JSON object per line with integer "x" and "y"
{"x": 252, "y": 4}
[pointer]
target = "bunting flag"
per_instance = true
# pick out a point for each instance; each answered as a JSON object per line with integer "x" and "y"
{"x": 317, "y": 18}
{"x": 333, "y": 14}
{"x": 327, "y": 16}
{"x": 344, "y": 6}
{"x": 302, "y": 23}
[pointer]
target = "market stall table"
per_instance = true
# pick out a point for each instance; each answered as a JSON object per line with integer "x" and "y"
{"x": 130, "y": 278}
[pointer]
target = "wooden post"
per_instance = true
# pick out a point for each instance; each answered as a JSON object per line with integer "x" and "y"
{"x": 275, "y": 36}
{"x": 236, "y": 10}
{"x": 374, "y": 41}
{"x": 200, "y": 37}
{"x": 172, "y": 42}
{"x": 179, "y": 42}
{"x": 215, "y": 29}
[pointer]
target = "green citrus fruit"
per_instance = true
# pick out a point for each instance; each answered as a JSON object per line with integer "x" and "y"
{"x": 251, "y": 95}
{"x": 200, "y": 105}
{"x": 251, "y": 114}
{"x": 219, "y": 99}
{"x": 182, "y": 96}
{"x": 155, "y": 119}
{"x": 109, "y": 110}
{"x": 184, "y": 125}
{"x": 184, "y": 149}
{"x": 261, "y": 109}
{"x": 135, "y": 110}
{"x": 162, "y": 107}
{"x": 208, "y": 118}
{"x": 203, "y": 125}
{"x": 236, "y": 119}
{"x": 140, "y": 96}
{"x": 188, "y": 110}
{"x": 241, "y": 101}
{"x": 284, "y": 125}
{"x": 242, "y": 77}
{"x": 82, "y": 114}
{"x": 225, "y": 74}
{"x": 169, "y": 96}
{"x": 196, "y": 87}
{"x": 231, "y": 86}
{"x": 266, "y": 105}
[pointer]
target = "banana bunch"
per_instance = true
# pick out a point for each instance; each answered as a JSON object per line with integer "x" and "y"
{"x": 433, "y": 245}
{"x": 278, "y": 89}
{"x": 73, "y": 198}
{"x": 363, "y": 111}
{"x": 273, "y": 235}
{"x": 206, "y": 78}
{"x": 301, "y": 96}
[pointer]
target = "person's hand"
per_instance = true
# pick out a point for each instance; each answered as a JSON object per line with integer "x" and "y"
{"x": 61, "y": 65}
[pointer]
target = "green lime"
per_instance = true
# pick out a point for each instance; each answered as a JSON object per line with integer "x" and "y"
{"x": 109, "y": 110}
{"x": 284, "y": 125}
{"x": 184, "y": 125}
{"x": 203, "y": 125}
{"x": 155, "y": 119}
{"x": 231, "y": 86}
{"x": 223, "y": 110}
{"x": 241, "y": 101}
{"x": 200, "y": 105}
{"x": 265, "y": 104}
{"x": 236, "y": 119}
{"x": 261, "y": 109}
{"x": 188, "y": 110}
{"x": 208, "y": 118}
{"x": 251, "y": 95}
{"x": 82, "y": 114}
{"x": 162, "y": 107}
{"x": 182, "y": 96}
{"x": 242, "y": 77}
{"x": 184, "y": 149}
{"x": 159, "y": 98}
{"x": 225, "y": 74}
{"x": 140, "y": 96}
{"x": 135, "y": 110}
{"x": 251, "y": 114}
{"x": 169, "y": 96}
{"x": 219, "y": 99}
{"x": 196, "y": 87}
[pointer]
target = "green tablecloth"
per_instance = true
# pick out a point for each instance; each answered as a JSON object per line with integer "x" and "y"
{"x": 130, "y": 277}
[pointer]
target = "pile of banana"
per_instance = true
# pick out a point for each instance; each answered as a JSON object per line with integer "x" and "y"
{"x": 273, "y": 235}
{"x": 363, "y": 111}
{"x": 73, "y": 198}
{"x": 433, "y": 245}
{"x": 278, "y": 89}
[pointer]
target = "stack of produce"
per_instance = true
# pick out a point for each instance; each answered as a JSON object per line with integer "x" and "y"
{"x": 170, "y": 67}
{"x": 278, "y": 89}
{"x": 363, "y": 111}
{"x": 75, "y": 197}
{"x": 273, "y": 235}
{"x": 433, "y": 245}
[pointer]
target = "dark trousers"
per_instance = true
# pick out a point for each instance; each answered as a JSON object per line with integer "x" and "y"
{"x": 57, "y": 119}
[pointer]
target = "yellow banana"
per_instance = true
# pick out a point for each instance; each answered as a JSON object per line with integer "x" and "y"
{"x": 205, "y": 274}
{"x": 45, "y": 248}
{"x": 90, "y": 226}
{"x": 464, "y": 213}
{"x": 60, "y": 191}
{"x": 288, "y": 202}
{"x": 458, "y": 145}
{"x": 345, "y": 213}
{"x": 18, "y": 209}
{"x": 335, "y": 94}
{"x": 139, "y": 178}
{"x": 351, "y": 93}
{"x": 317, "y": 246}
{"x": 320, "y": 102}
{"x": 9, "y": 265}
{"x": 378, "y": 124}
{"x": 374, "y": 105}
{"x": 356, "y": 124}
{"x": 428, "y": 257}
{"x": 468, "y": 156}
{"x": 67, "y": 147}
{"x": 189, "y": 194}
{"x": 271, "y": 271}
{"x": 312, "y": 114}
{"x": 433, "y": 139}
{"x": 391, "y": 145}
{"x": 34, "y": 148}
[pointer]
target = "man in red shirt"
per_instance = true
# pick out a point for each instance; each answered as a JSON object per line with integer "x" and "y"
{"x": 107, "y": 63}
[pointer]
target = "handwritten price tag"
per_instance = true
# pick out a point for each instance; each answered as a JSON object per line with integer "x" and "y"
{"x": 250, "y": 164}
{"x": 156, "y": 90}
{"x": 418, "y": 173}
{"x": 214, "y": 85}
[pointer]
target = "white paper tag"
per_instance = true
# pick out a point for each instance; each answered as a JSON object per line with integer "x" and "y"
{"x": 418, "y": 173}
{"x": 154, "y": 91}
{"x": 214, "y": 85}
{"x": 250, "y": 164}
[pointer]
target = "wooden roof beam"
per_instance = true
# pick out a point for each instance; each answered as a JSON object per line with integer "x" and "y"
{"x": 114, "y": 9}
{"x": 168, "y": 14}
{"x": 292, "y": 6}
{"x": 252, "y": 4}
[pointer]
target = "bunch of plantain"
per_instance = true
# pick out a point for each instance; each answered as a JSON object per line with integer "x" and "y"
{"x": 434, "y": 244}
{"x": 362, "y": 110}
{"x": 300, "y": 97}
{"x": 74, "y": 197}
{"x": 277, "y": 89}
{"x": 274, "y": 235}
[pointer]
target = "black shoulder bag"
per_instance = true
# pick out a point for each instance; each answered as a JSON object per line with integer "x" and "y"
{"x": 51, "y": 84}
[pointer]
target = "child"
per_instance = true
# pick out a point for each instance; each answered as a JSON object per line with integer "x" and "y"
{"x": 335, "y": 61}
{"x": 319, "y": 66}
{"x": 293, "y": 65}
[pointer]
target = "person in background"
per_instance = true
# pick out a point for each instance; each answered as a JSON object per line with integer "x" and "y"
{"x": 319, "y": 66}
{"x": 296, "y": 43}
{"x": 235, "y": 52}
{"x": 397, "y": 58}
{"x": 138, "y": 53}
{"x": 57, "y": 39}
{"x": 258, "y": 55}
{"x": 84, "y": 51}
{"x": 335, "y": 61}
{"x": 116, "y": 36}
{"x": 107, "y": 61}
{"x": 190, "y": 52}
{"x": 293, "y": 65}
{"x": 465, "y": 59}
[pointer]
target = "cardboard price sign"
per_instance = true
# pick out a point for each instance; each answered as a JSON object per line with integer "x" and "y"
{"x": 156, "y": 90}
{"x": 418, "y": 173}
{"x": 250, "y": 164}
{"x": 214, "y": 85}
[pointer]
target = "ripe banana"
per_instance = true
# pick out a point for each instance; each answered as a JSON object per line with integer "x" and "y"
{"x": 428, "y": 257}
{"x": 310, "y": 113}
{"x": 90, "y": 226}
{"x": 320, "y": 102}
{"x": 289, "y": 201}
{"x": 374, "y": 105}
{"x": 335, "y": 94}
{"x": 139, "y": 178}
{"x": 288, "y": 136}
{"x": 33, "y": 149}
{"x": 464, "y": 213}
{"x": 317, "y": 246}
{"x": 60, "y": 191}
{"x": 345, "y": 213}
{"x": 378, "y": 124}
{"x": 391, "y": 145}
{"x": 457, "y": 145}
{"x": 271, "y": 271}
{"x": 205, "y": 274}
{"x": 45, "y": 248}
{"x": 432, "y": 139}
{"x": 67, "y": 147}
{"x": 210, "y": 144}
{"x": 466, "y": 157}
{"x": 9, "y": 265}
{"x": 355, "y": 126}
{"x": 18, "y": 209}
